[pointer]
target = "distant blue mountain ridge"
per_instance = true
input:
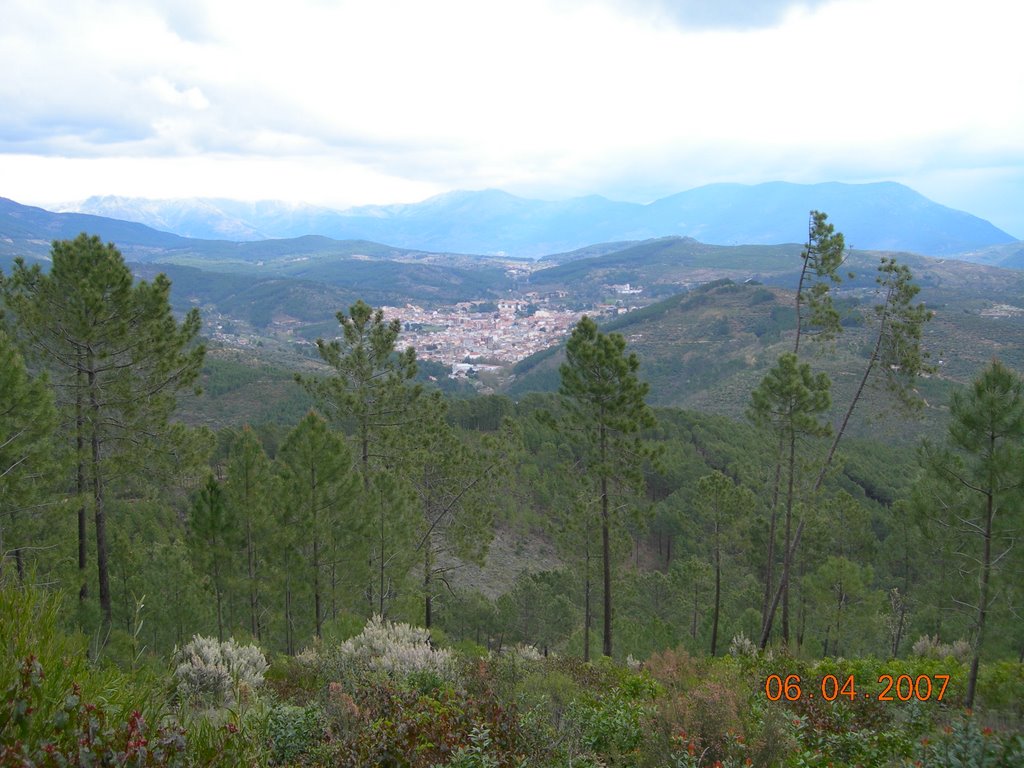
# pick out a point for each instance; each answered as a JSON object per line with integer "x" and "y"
{"x": 880, "y": 216}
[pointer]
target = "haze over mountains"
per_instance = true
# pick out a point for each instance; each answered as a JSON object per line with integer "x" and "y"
{"x": 880, "y": 216}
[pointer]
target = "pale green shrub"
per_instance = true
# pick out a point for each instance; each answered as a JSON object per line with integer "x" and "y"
{"x": 932, "y": 648}
{"x": 400, "y": 651}
{"x": 216, "y": 673}
{"x": 742, "y": 646}
{"x": 527, "y": 652}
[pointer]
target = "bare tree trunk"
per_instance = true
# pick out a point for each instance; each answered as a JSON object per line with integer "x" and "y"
{"x": 693, "y": 620}
{"x": 220, "y": 597}
{"x": 427, "y": 603}
{"x": 80, "y": 487}
{"x": 607, "y": 568}
{"x": 586, "y": 603}
{"x": 380, "y": 608}
{"x": 316, "y": 587}
{"x": 772, "y": 522}
{"x": 718, "y": 593}
{"x": 254, "y": 608}
{"x": 289, "y": 643}
{"x": 606, "y": 554}
{"x": 986, "y": 572}
{"x": 787, "y": 561}
{"x": 98, "y": 500}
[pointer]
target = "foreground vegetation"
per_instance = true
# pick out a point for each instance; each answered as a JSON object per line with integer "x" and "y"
{"x": 390, "y": 696}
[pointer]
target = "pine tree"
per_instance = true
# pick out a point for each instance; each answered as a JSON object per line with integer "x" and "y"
{"x": 720, "y": 504}
{"x": 247, "y": 493}
{"x": 978, "y": 484}
{"x": 458, "y": 490}
{"x": 789, "y": 402}
{"x": 371, "y": 388}
{"x": 27, "y": 421}
{"x": 117, "y": 356}
{"x": 372, "y": 395}
{"x": 604, "y": 413}
{"x": 320, "y": 488}
{"x": 393, "y": 524}
{"x": 822, "y": 256}
{"x": 212, "y": 527}
{"x": 896, "y": 356}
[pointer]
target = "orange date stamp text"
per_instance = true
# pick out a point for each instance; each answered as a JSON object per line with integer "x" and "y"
{"x": 832, "y": 687}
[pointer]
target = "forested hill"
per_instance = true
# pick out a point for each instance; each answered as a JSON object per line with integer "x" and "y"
{"x": 707, "y": 348}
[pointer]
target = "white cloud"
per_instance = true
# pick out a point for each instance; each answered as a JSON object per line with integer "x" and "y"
{"x": 374, "y": 102}
{"x": 169, "y": 93}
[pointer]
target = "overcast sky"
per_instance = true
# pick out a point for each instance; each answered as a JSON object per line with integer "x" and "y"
{"x": 380, "y": 101}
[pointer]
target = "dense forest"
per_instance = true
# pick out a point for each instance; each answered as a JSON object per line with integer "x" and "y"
{"x": 356, "y": 586}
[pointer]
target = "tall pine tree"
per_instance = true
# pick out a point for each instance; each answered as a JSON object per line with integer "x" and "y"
{"x": 320, "y": 488}
{"x": 247, "y": 493}
{"x": 789, "y": 402}
{"x": 977, "y": 489}
{"x": 604, "y": 413}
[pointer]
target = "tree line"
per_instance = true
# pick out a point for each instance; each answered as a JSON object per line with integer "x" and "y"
{"x": 692, "y": 528}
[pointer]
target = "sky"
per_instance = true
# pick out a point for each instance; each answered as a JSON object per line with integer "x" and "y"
{"x": 342, "y": 103}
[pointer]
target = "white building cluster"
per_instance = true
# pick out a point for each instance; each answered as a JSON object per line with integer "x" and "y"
{"x": 503, "y": 332}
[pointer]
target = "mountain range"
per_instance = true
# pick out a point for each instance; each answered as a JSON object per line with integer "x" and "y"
{"x": 723, "y": 312}
{"x": 879, "y": 216}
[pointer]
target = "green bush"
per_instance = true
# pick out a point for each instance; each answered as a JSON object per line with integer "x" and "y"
{"x": 390, "y": 725}
{"x": 227, "y": 737}
{"x": 963, "y": 744}
{"x": 293, "y": 731}
{"x": 1001, "y": 688}
{"x": 611, "y": 726}
{"x": 56, "y": 709}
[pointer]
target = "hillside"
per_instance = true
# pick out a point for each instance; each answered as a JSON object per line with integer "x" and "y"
{"x": 28, "y": 231}
{"x": 1009, "y": 256}
{"x": 307, "y": 278}
{"x": 881, "y": 216}
{"x": 708, "y": 348}
{"x": 667, "y": 265}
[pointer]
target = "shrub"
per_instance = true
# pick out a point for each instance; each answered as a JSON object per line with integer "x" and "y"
{"x": 399, "y": 651}
{"x": 742, "y": 646}
{"x": 231, "y": 738}
{"x": 215, "y": 673}
{"x": 711, "y": 715}
{"x": 293, "y": 679}
{"x": 78, "y": 733}
{"x": 611, "y": 725}
{"x": 675, "y": 669}
{"x": 527, "y": 652}
{"x": 57, "y": 709}
{"x": 476, "y": 754}
{"x": 1001, "y": 688}
{"x": 931, "y": 648}
{"x": 547, "y": 694}
{"x": 397, "y": 726}
{"x": 293, "y": 731}
{"x": 964, "y": 745}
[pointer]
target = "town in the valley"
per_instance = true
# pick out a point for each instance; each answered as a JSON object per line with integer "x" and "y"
{"x": 470, "y": 336}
